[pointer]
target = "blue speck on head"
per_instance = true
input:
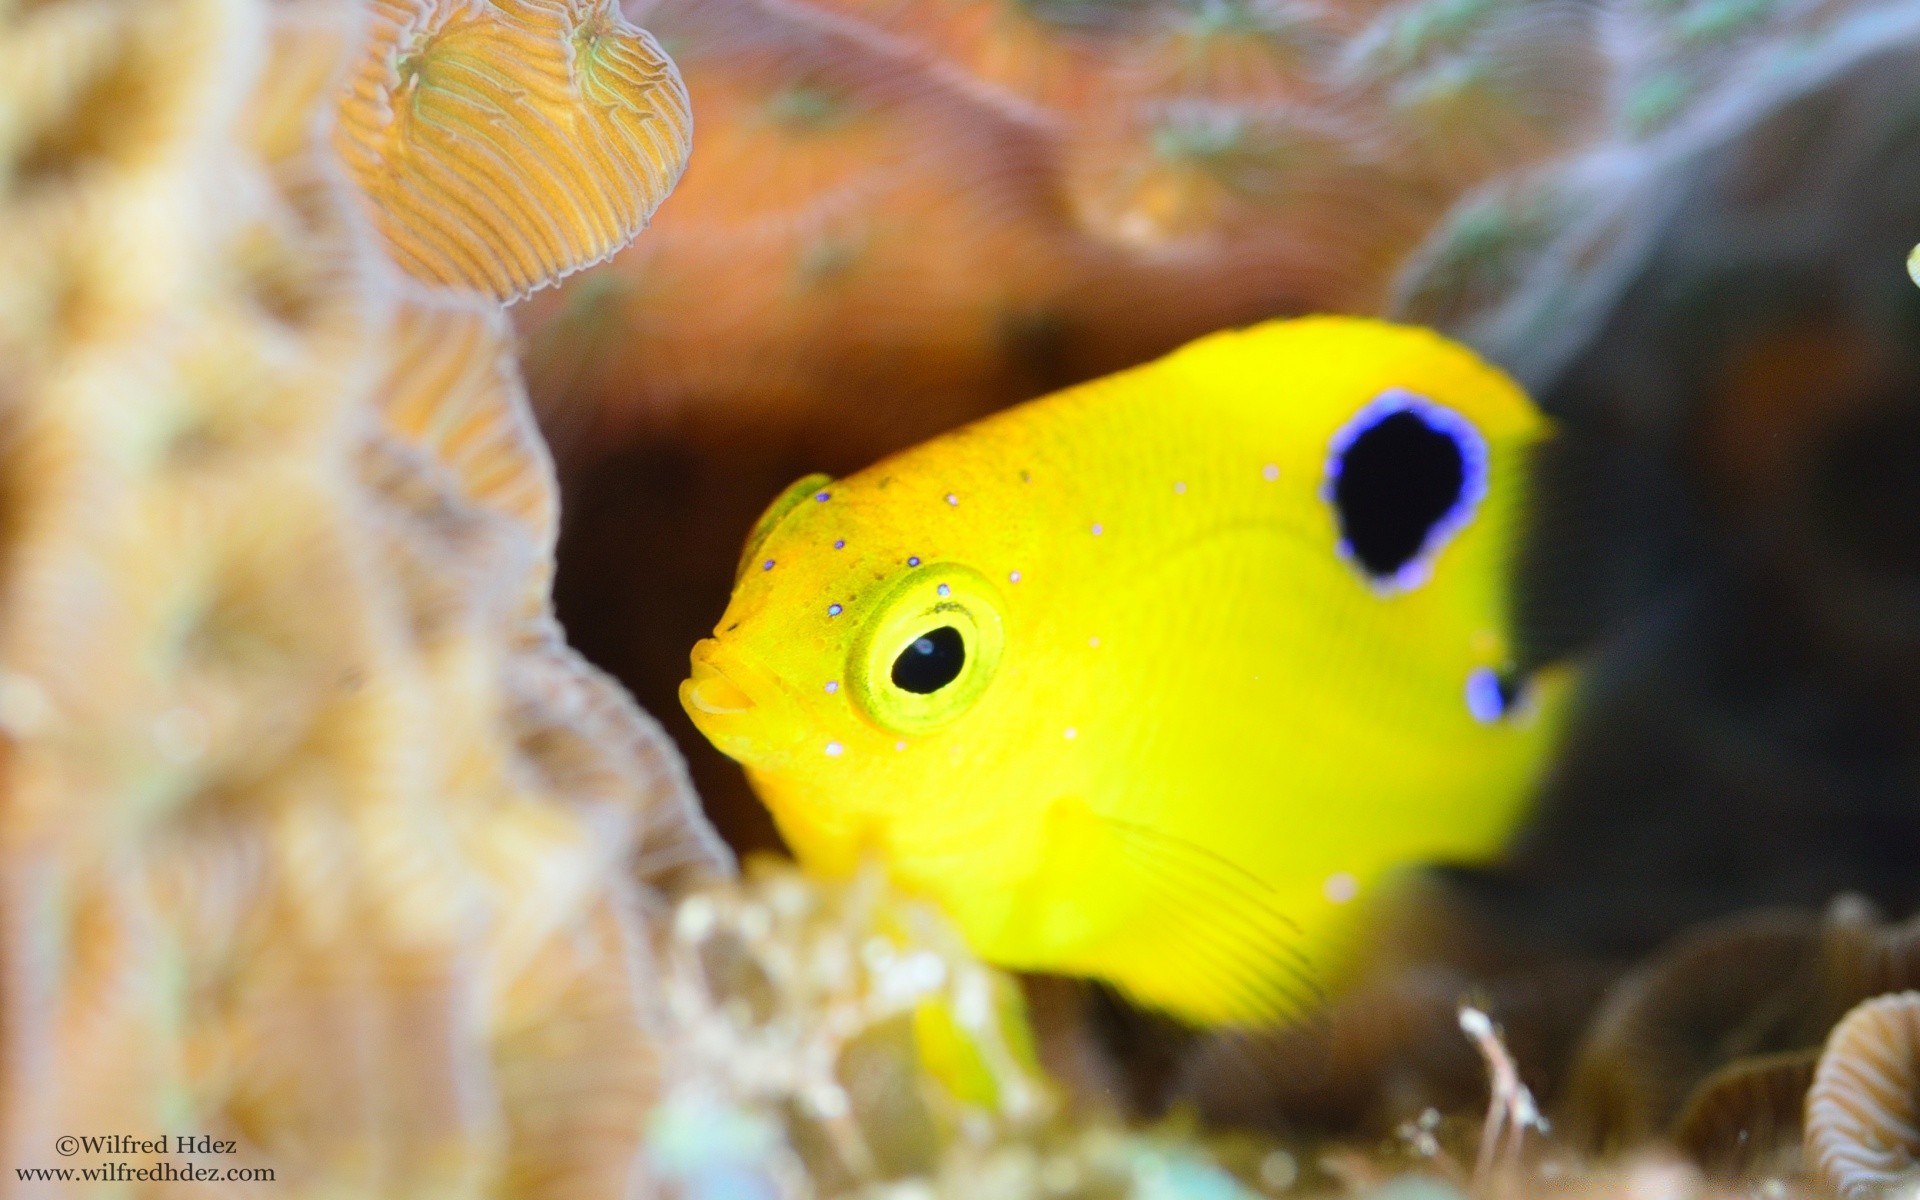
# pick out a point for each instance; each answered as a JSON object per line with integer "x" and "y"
{"x": 833, "y": 685}
{"x": 840, "y": 544}
{"x": 823, "y": 496}
{"x": 1488, "y": 696}
{"x": 944, "y": 590}
{"x": 914, "y": 561}
{"x": 767, "y": 565}
{"x": 1098, "y": 530}
{"x": 833, "y": 610}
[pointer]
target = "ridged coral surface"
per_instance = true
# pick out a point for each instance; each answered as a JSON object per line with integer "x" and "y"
{"x": 1863, "y": 1112}
{"x": 314, "y": 835}
{"x": 505, "y": 143}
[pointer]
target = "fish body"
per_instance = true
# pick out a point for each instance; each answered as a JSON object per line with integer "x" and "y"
{"x": 1150, "y": 680}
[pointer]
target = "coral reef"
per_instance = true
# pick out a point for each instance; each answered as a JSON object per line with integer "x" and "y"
{"x": 1126, "y": 176}
{"x": 315, "y": 834}
{"x": 317, "y": 837}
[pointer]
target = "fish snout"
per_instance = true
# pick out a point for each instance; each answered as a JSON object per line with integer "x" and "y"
{"x": 744, "y": 712}
{"x": 708, "y": 690}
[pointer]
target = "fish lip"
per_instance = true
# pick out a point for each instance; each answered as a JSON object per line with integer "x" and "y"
{"x": 743, "y": 710}
{"x": 708, "y": 689}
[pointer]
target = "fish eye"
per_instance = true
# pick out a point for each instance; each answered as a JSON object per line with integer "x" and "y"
{"x": 933, "y": 660}
{"x": 928, "y": 649}
{"x": 1403, "y": 476}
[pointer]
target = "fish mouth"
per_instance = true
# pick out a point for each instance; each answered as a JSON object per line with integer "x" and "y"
{"x": 742, "y": 711}
{"x": 708, "y": 691}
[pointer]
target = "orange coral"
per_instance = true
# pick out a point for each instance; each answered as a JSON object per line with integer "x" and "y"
{"x": 506, "y": 143}
{"x": 314, "y": 834}
{"x": 804, "y": 226}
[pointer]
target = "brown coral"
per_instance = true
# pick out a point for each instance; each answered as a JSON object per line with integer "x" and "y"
{"x": 1744, "y": 1119}
{"x": 1749, "y": 985}
{"x": 506, "y": 143}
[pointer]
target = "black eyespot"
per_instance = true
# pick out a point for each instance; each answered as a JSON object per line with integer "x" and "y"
{"x": 1397, "y": 477}
{"x": 932, "y": 662}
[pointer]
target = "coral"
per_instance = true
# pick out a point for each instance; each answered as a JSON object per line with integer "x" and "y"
{"x": 1215, "y": 160}
{"x": 1861, "y": 1109}
{"x": 805, "y": 226}
{"x": 506, "y": 143}
{"x": 1744, "y": 1120}
{"x": 316, "y": 836}
{"x": 1747, "y": 986}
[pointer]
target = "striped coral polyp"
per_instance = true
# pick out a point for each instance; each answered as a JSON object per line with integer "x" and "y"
{"x": 1864, "y": 1106}
{"x": 506, "y": 144}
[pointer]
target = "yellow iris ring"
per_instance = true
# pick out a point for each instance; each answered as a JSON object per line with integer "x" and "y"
{"x": 913, "y": 608}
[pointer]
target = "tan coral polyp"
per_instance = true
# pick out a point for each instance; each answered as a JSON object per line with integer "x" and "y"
{"x": 1863, "y": 1111}
{"x": 506, "y": 144}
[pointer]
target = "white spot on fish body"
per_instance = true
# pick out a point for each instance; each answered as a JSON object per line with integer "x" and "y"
{"x": 953, "y": 500}
{"x": 1098, "y": 529}
{"x": 1094, "y": 641}
{"x": 1180, "y": 488}
{"x": 1071, "y": 733}
{"x": 944, "y": 590}
{"x": 899, "y": 745}
{"x": 835, "y": 749}
{"x": 833, "y": 685}
{"x": 1340, "y": 887}
{"x": 833, "y": 610}
{"x": 1013, "y": 577}
{"x": 1270, "y": 472}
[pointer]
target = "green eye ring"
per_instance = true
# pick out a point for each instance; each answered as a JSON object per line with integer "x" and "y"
{"x": 914, "y": 612}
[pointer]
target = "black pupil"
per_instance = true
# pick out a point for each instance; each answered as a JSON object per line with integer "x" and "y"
{"x": 932, "y": 662}
{"x": 1395, "y": 482}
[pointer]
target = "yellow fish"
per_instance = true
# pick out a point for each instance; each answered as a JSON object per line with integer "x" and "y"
{"x": 1157, "y": 680}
